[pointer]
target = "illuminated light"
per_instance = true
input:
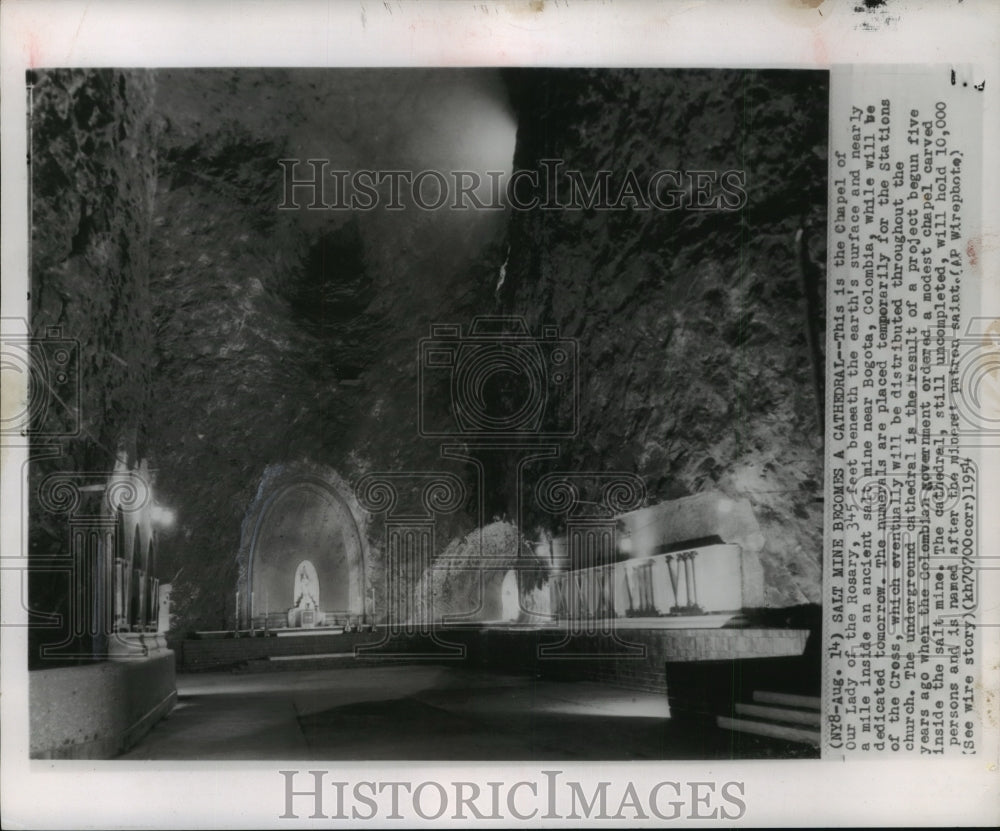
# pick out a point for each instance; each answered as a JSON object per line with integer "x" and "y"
{"x": 164, "y": 517}
{"x": 625, "y": 545}
{"x": 469, "y": 127}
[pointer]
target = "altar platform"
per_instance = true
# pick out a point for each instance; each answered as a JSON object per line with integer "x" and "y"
{"x": 641, "y": 654}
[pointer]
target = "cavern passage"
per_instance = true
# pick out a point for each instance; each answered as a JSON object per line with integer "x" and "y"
{"x": 251, "y": 351}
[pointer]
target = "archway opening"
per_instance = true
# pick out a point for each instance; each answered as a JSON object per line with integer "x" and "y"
{"x": 307, "y": 567}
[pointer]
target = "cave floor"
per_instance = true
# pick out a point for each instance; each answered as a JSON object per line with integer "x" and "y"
{"x": 427, "y": 713}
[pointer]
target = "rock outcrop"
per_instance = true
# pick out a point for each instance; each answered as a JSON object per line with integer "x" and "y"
{"x": 694, "y": 364}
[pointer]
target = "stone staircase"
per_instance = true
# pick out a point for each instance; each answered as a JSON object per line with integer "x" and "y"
{"x": 794, "y": 718}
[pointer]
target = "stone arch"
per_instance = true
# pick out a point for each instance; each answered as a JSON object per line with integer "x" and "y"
{"x": 302, "y": 515}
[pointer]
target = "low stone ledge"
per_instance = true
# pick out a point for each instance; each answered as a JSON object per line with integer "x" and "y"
{"x": 98, "y": 711}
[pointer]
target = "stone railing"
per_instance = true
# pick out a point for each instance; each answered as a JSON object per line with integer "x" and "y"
{"x": 702, "y": 580}
{"x": 711, "y": 515}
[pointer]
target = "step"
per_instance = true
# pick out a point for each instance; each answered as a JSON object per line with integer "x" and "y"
{"x": 320, "y": 661}
{"x": 773, "y": 731}
{"x": 311, "y": 657}
{"x": 805, "y": 702}
{"x": 810, "y": 717}
{"x": 308, "y": 633}
{"x": 276, "y": 663}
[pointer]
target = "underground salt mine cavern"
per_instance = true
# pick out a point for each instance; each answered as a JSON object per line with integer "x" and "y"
{"x": 506, "y": 449}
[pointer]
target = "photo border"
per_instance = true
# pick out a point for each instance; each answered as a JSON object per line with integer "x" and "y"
{"x": 789, "y": 34}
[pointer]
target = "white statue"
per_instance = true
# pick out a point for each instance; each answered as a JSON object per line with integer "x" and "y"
{"x": 306, "y": 591}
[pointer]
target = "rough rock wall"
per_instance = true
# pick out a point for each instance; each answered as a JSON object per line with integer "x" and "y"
{"x": 93, "y": 181}
{"x": 459, "y": 586}
{"x": 694, "y": 368}
{"x": 290, "y": 336}
{"x": 93, "y": 169}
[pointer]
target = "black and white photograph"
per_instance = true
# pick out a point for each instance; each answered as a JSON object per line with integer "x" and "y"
{"x": 440, "y": 413}
{"x": 524, "y": 427}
